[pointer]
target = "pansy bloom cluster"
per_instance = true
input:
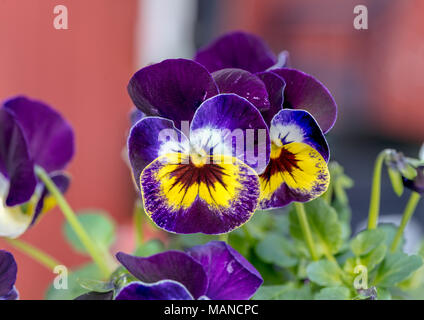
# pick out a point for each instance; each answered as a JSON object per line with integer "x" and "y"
{"x": 232, "y": 131}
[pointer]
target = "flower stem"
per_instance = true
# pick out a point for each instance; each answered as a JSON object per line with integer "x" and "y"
{"x": 407, "y": 214}
{"x": 223, "y": 237}
{"x": 374, "y": 209}
{"x": 96, "y": 254}
{"x": 41, "y": 257}
{"x": 303, "y": 220}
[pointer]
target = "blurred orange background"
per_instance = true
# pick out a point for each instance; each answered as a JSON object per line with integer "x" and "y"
{"x": 375, "y": 75}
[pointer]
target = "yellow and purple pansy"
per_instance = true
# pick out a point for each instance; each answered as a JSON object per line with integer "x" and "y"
{"x": 213, "y": 271}
{"x": 8, "y": 271}
{"x": 31, "y": 134}
{"x": 237, "y": 84}
{"x": 201, "y": 181}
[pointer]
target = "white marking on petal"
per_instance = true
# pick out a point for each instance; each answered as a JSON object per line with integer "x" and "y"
{"x": 285, "y": 134}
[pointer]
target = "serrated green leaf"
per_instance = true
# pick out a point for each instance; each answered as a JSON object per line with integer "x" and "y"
{"x": 276, "y": 250}
{"x": 366, "y": 241}
{"x": 395, "y": 268}
{"x": 325, "y": 273}
{"x": 333, "y": 293}
{"x": 90, "y": 271}
{"x": 97, "y": 224}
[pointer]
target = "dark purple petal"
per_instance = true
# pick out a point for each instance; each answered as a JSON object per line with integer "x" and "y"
{"x": 298, "y": 126}
{"x": 305, "y": 92}
{"x": 46, "y": 202}
{"x": 162, "y": 290}
{"x": 172, "y": 89}
{"x": 8, "y": 271}
{"x": 237, "y": 50}
{"x": 15, "y": 161}
{"x": 170, "y": 265}
{"x": 12, "y": 295}
{"x": 213, "y": 198}
{"x": 50, "y": 137}
{"x": 230, "y": 275}
{"x": 244, "y": 84}
{"x": 229, "y": 124}
{"x": 150, "y": 138}
{"x": 275, "y": 87}
{"x": 416, "y": 184}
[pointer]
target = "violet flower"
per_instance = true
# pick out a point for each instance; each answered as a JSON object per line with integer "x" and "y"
{"x": 212, "y": 271}
{"x": 8, "y": 271}
{"x": 198, "y": 182}
{"x": 287, "y": 87}
{"x": 31, "y": 134}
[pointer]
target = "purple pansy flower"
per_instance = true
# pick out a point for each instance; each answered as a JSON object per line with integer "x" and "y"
{"x": 212, "y": 271}
{"x": 201, "y": 181}
{"x": 31, "y": 134}
{"x": 8, "y": 271}
{"x": 287, "y": 87}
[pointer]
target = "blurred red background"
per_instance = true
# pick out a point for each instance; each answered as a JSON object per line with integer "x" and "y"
{"x": 376, "y": 76}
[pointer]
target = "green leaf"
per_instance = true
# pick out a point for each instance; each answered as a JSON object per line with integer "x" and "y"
{"x": 325, "y": 225}
{"x": 283, "y": 292}
{"x": 390, "y": 230}
{"x": 149, "y": 248}
{"x": 396, "y": 180}
{"x": 395, "y": 268}
{"x": 90, "y": 271}
{"x": 276, "y": 250}
{"x": 325, "y": 273}
{"x": 366, "y": 241}
{"x": 333, "y": 293}
{"x": 374, "y": 257}
{"x": 96, "y": 285}
{"x": 100, "y": 228}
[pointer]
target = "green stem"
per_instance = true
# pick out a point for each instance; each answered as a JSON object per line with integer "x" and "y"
{"x": 96, "y": 254}
{"x": 223, "y": 237}
{"x": 138, "y": 215}
{"x": 374, "y": 209}
{"x": 407, "y": 214}
{"x": 301, "y": 214}
{"x": 33, "y": 252}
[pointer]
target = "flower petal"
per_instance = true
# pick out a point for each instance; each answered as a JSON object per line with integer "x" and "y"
{"x": 275, "y": 87}
{"x": 162, "y": 290}
{"x": 237, "y": 50}
{"x": 244, "y": 84}
{"x": 46, "y": 202}
{"x": 225, "y": 118}
{"x": 8, "y": 271}
{"x": 15, "y": 161}
{"x": 298, "y": 126}
{"x": 231, "y": 276}
{"x": 172, "y": 89}
{"x": 169, "y": 265}
{"x": 150, "y": 138}
{"x": 184, "y": 197}
{"x": 296, "y": 172}
{"x": 136, "y": 115}
{"x": 283, "y": 60}
{"x": 305, "y": 92}
{"x": 50, "y": 137}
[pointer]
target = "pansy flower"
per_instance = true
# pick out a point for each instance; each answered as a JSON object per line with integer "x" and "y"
{"x": 287, "y": 87}
{"x": 8, "y": 271}
{"x": 31, "y": 134}
{"x": 204, "y": 180}
{"x": 297, "y": 170}
{"x": 212, "y": 271}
